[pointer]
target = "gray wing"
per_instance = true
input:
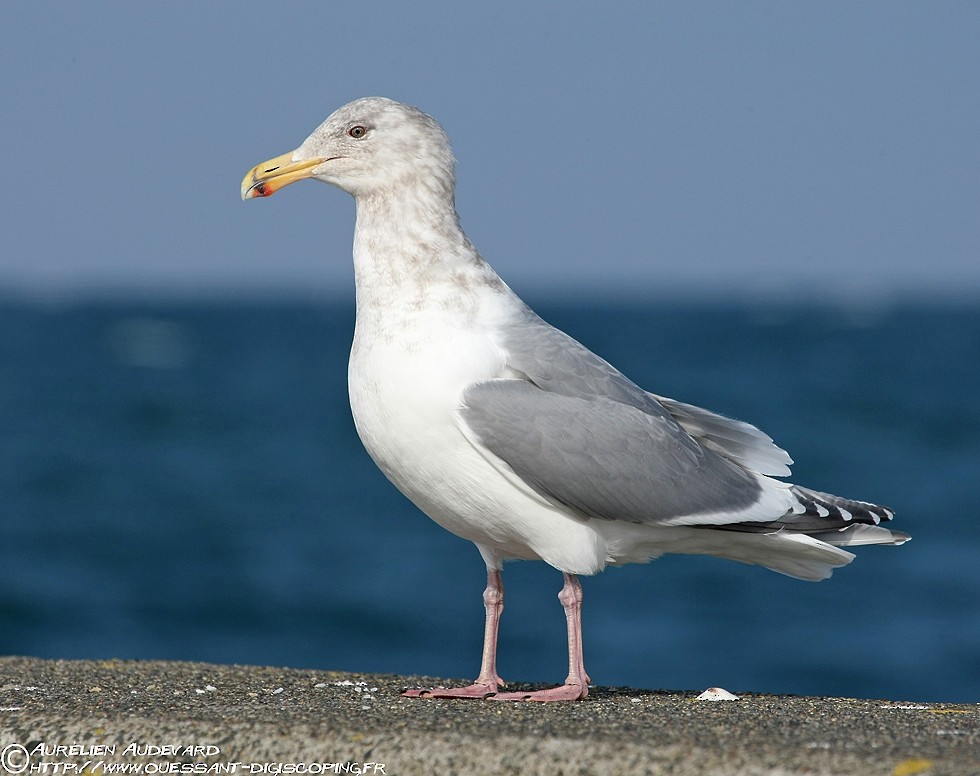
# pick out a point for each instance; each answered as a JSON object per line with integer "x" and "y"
{"x": 578, "y": 431}
{"x": 557, "y": 363}
{"x": 606, "y": 459}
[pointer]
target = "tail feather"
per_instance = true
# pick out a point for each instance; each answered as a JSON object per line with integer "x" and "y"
{"x": 853, "y": 535}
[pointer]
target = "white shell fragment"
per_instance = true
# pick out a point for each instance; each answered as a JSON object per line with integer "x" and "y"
{"x": 717, "y": 694}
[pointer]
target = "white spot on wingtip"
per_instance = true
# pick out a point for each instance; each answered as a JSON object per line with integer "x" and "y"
{"x": 845, "y": 514}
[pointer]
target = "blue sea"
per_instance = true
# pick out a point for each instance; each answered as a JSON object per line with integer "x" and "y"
{"x": 182, "y": 480}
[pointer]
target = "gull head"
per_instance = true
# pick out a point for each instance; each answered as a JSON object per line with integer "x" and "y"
{"x": 368, "y": 147}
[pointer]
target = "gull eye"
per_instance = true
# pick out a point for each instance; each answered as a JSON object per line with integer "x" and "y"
{"x": 357, "y": 132}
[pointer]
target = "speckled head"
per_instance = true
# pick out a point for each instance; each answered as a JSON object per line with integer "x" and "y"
{"x": 370, "y": 146}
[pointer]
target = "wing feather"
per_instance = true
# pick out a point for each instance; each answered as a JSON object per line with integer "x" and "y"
{"x": 741, "y": 442}
{"x": 613, "y": 461}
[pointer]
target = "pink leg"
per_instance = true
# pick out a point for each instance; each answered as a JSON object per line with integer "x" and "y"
{"x": 488, "y": 681}
{"x": 576, "y": 686}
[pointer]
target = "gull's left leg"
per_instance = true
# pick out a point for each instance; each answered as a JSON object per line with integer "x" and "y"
{"x": 576, "y": 686}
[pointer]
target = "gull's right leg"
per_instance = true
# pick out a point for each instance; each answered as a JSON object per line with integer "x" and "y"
{"x": 488, "y": 682}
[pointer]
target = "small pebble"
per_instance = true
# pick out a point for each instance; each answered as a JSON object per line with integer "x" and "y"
{"x": 717, "y": 694}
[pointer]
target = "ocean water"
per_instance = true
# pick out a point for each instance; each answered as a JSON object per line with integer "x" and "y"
{"x": 182, "y": 480}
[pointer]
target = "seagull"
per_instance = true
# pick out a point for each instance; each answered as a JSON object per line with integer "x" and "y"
{"x": 508, "y": 432}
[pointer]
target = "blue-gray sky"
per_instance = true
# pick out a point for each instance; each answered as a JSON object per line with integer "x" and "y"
{"x": 645, "y": 147}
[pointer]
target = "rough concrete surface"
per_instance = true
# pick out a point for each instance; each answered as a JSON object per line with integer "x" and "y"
{"x": 198, "y": 718}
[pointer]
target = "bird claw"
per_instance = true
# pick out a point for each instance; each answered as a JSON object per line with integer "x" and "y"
{"x": 564, "y": 692}
{"x": 488, "y": 692}
{"x": 477, "y": 691}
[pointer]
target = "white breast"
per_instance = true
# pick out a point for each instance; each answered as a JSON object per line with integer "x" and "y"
{"x": 407, "y": 374}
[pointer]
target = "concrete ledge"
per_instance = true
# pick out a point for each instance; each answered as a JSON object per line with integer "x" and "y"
{"x": 251, "y": 720}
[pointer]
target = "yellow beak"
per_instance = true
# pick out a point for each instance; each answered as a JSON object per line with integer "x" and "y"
{"x": 267, "y": 178}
